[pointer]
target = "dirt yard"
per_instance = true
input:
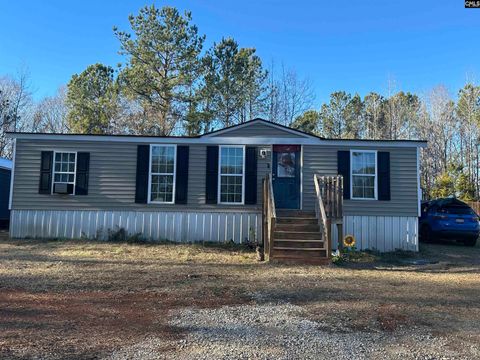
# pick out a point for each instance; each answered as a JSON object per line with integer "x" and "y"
{"x": 78, "y": 299}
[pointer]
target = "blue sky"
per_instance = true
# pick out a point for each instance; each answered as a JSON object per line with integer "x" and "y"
{"x": 340, "y": 45}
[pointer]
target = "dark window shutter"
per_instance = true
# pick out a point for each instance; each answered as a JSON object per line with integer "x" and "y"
{"x": 81, "y": 179}
{"x": 181, "y": 177}
{"x": 251, "y": 175}
{"x": 143, "y": 160}
{"x": 211, "y": 175}
{"x": 383, "y": 159}
{"x": 343, "y": 167}
{"x": 46, "y": 166}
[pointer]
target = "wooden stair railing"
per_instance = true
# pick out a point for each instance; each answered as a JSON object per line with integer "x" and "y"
{"x": 329, "y": 207}
{"x": 269, "y": 217}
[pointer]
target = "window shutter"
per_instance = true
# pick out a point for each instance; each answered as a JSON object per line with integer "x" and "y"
{"x": 45, "y": 186}
{"x": 81, "y": 176}
{"x": 251, "y": 175}
{"x": 343, "y": 167}
{"x": 181, "y": 176}
{"x": 211, "y": 175}
{"x": 383, "y": 159}
{"x": 143, "y": 162}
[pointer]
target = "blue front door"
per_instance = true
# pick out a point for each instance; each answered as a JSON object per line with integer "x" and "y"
{"x": 286, "y": 176}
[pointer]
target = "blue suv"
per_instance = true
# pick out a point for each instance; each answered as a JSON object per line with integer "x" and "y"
{"x": 449, "y": 219}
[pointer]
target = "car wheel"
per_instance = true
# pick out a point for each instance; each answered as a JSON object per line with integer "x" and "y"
{"x": 470, "y": 242}
{"x": 425, "y": 233}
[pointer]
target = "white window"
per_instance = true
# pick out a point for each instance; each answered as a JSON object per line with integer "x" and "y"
{"x": 64, "y": 168}
{"x": 162, "y": 173}
{"x": 231, "y": 174}
{"x": 363, "y": 174}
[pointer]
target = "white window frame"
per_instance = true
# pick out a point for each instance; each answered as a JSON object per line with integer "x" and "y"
{"x": 219, "y": 182}
{"x": 150, "y": 174}
{"x": 375, "y": 186}
{"x": 63, "y": 172}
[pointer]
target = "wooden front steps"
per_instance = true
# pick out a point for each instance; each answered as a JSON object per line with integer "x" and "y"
{"x": 298, "y": 238}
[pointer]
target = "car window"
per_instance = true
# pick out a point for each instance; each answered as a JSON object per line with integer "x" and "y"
{"x": 457, "y": 210}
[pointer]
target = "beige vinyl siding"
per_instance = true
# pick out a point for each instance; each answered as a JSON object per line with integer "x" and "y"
{"x": 322, "y": 160}
{"x": 258, "y": 130}
{"x": 111, "y": 178}
{"x": 263, "y": 168}
{"x": 113, "y": 172}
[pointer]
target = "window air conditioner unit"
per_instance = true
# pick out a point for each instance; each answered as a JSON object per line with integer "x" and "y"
{"x": 63, "y": 188}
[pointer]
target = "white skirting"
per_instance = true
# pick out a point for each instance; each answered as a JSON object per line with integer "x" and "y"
{"x": 382, "y": 233}
{"x": 185, "y": 226}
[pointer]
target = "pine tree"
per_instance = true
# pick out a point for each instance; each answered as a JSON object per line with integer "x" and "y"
{"x": 465, "y": 188}
{"x": 354, "y": 118}
{"x": 308, "y": 122}
{"x": 234, "y": 82}
{"x": 92, "y": 100}
{"x": 374, "y": 107}
{"x": 163, "y": 65}
{"x": 444, "y": 186}
{"x": 334, "y": 114}
{"x": 468, "y": 114}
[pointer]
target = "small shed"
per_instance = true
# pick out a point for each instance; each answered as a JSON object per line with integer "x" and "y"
{"x": 5, "y": 175}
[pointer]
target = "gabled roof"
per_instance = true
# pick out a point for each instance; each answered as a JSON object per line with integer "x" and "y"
{"x": 271, "y": 124}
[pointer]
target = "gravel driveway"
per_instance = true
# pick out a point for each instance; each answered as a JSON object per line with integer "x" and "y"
{"x": 281, "y": 331}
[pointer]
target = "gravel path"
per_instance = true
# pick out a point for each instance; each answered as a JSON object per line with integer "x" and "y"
{"x": 281, "y": 331}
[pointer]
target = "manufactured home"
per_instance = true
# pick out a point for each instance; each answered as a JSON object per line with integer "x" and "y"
{"x": 253, "y": 182}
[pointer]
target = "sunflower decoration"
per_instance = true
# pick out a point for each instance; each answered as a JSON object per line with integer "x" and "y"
{"x": 349, "y": 241}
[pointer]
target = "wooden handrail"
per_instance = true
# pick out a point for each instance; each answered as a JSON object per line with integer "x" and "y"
{"x": 329, "y": 206}
{"x": 322, "y": 217}
{"x": 271, "y": 198}
{"x": 269, "y": 216}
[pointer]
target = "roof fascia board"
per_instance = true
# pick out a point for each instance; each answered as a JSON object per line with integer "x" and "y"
{"x": 375, "y": 143}
{"x": 220, "y": 140}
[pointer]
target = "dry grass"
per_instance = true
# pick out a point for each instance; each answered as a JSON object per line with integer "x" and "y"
{"x": 84, "y": 299}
